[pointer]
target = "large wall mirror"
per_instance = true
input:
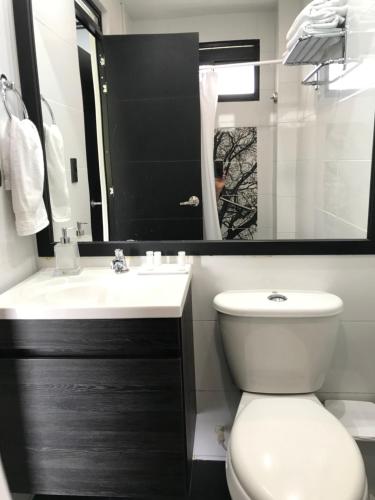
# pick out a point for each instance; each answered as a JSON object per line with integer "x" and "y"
{"x": 203, "y": 122}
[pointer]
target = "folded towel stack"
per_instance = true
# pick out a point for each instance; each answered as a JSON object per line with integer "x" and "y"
{"x": 319, "y": 16}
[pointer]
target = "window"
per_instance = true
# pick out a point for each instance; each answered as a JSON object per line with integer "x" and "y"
{"x": 238, "y": 78}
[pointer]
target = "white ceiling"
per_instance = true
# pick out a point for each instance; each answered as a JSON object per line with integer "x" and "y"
{"x": 167, "y": 9}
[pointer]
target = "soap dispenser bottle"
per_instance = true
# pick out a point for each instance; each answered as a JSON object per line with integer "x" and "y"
{"x": 67, "y": 255}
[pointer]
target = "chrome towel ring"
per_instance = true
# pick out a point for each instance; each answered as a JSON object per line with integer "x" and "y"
{"x": 48, "y": 106}
{"x": 5, "y": 86}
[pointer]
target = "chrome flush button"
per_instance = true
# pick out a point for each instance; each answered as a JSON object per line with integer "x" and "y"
{"x": 277, "y": 297}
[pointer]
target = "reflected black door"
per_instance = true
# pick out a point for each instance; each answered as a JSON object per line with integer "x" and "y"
{"x": 153, "y": 135}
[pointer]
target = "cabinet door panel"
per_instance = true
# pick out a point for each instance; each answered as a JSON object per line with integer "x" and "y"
{"x": 91, "y": 426}
{"x": 84, "y": 337}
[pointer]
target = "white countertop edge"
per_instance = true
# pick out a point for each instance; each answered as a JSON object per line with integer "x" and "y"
{"x": 91, "y": 313}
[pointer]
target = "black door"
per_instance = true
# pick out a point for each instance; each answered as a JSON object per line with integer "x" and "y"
{"x": 153, "y": 135}
{"x": 91, "y": 143}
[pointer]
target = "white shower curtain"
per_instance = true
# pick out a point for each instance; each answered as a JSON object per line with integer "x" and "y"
{"x": 208, "y": 87}
{"x": 4, "y": 491}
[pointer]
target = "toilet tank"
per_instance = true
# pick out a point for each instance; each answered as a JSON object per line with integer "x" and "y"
{"x": 278, "y": 342}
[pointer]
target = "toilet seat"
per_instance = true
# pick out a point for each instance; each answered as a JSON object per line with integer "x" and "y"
{"x": 284, "y": 448}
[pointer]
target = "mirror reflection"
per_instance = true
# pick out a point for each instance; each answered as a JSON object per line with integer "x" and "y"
{"x": 206, "y": 120}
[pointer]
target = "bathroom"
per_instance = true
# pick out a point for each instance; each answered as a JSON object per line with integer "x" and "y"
{"x": 311, "y": 225}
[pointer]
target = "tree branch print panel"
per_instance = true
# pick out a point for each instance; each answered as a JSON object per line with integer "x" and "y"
{"x": 235, "y": 157}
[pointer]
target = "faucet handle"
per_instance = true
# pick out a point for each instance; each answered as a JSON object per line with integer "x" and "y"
{"x": 119, "y": 262}
{"x": 80, "y": 231}
{"x": 119, "y": 254}
{"x": 65, "y": 238}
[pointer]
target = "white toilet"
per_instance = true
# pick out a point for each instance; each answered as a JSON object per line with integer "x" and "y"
{"x": 284, "y": 444}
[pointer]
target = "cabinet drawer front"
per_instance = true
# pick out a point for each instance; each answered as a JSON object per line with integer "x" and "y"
{"x": 123, "y": 337}
{"x": 90, "y": 426}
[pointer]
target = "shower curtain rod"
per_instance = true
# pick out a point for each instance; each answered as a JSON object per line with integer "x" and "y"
{"x": 251, "y": 63}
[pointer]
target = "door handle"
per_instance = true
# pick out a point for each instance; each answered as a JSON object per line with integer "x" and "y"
{"x": 193, "y": 201}
{"x": 95, "y": 203}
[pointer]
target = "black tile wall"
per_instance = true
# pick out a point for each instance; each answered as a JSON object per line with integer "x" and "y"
{"x": 149, "y": 61}
{"x": 154, "y": 135}
{"x": 149, "y": 179}
{"x": 155, "y": 129}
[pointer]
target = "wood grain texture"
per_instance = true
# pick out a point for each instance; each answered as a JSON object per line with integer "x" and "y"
{"x": 98, "y": 407}
{"x": 208, "y": 483}
{"x": 93, "y": 426}
{"x": 188, "y": 379}
{"x": 114, "y": 337}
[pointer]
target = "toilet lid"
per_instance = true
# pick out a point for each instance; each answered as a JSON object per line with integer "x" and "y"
{"x": 294, "y": 449}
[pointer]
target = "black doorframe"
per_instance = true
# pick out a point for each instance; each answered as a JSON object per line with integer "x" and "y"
{"x": 92, "y": 156}
{"x": 30, "y": 90}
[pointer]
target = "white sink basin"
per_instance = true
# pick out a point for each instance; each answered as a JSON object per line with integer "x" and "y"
{"x": 96, "y": 293}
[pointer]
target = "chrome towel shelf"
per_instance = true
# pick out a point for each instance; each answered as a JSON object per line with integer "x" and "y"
{"x": 314, "y": 49}
{"x": 320, "y": 50}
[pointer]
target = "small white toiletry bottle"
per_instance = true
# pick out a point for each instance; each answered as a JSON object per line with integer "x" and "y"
{"x": 181, "y": 260}
{"x": 157, "y": 259}
{"x": 149, "y": 260}
{"x": 67, "y": 255}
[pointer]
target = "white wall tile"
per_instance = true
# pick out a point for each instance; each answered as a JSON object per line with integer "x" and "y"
{"x": 58, "y": 68}
{"x": 287, "y": 140}
{"x": 17, "y": 254}
{"x": 350, "y": 277}
{"x": 266, "y": 203}
{"x": 266, "y": 153}
{"x": 339, "y": 124}
{"x": 211, "y": 370}
{"x": 214, "y": 409}
{"x": 353, "y": 367}
{"x": 286, "y": 179}
{"x": 288, "y": 108}
{"x": 115, "y": 20}
{"x": 286, "y": 215}
{"x": 57, "y": 19}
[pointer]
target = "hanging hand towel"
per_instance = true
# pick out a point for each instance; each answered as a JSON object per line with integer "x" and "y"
{"x": 4, "y": 154}
{"x": 27, "y": 177}
{"x": 57, "y": 181}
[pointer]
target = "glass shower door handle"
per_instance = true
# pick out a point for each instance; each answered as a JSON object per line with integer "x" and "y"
{"x": 193, "y": 201}
{"x": 95, "y": 203}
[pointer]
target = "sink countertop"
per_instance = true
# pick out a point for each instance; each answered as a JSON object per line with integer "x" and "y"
{"x": 96, "y": 293}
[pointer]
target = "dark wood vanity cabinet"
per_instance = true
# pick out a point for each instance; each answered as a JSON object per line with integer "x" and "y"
{"x": 98, "y": 407}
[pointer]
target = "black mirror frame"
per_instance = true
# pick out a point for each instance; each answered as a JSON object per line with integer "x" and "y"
{"x": 27, "y": 60}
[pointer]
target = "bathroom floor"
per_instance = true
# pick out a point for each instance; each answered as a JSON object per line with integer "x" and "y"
{"x": 208, "y": 483}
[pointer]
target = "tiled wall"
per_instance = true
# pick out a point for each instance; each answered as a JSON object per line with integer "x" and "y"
{"x": 352, "y": 373}
{"x": 260, "y": 114}
{"x": 341, "y": 122}
{"x": 325, "y": 138}
{"x": 59, "y": 80}
{"x": 17, "y": 254}
{"x": 114, "y": 18}
{"x": 288, "y": 87}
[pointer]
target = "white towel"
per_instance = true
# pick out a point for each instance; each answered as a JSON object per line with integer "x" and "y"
{"x": 308, "y": 29}
{"x": 4, "y": 154}
{"x": 317, "y": 16}
{"x": 57, "y": 181}
{"x": 27, "y": 177}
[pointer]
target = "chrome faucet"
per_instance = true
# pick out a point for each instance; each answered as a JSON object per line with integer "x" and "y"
{"x": 119, "y": 262}
{"x": 80, "y": 230}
